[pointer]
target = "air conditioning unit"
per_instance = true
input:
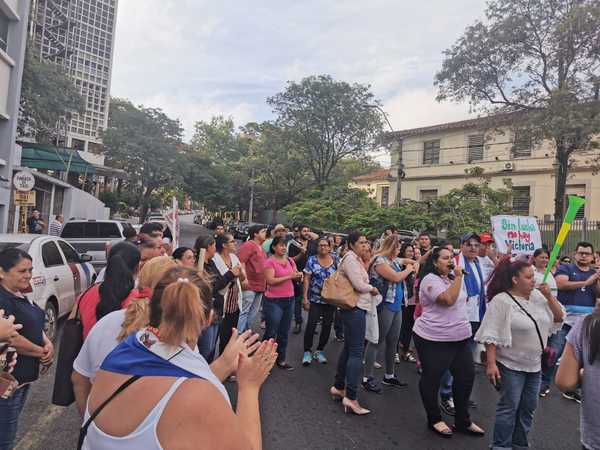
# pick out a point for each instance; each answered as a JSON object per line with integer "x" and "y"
{"x": 509, "y": 167}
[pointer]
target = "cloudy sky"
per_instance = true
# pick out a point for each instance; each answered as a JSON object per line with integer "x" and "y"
{"x": 199, "y": 58}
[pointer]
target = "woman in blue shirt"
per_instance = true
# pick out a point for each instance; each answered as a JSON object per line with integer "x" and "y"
{"x": 318, "y": 268}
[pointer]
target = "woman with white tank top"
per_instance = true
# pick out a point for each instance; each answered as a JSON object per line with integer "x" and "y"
{"x": 154, "y": 391}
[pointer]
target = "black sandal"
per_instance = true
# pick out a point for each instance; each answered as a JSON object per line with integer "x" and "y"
{"x": 446, "y": 433}
{"x": 470, "y": 431}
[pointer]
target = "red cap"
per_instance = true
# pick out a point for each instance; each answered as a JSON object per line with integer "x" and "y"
{"x": 485, "y": 238}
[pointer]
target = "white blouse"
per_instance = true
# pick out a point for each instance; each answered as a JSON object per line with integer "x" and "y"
{"x": 513, "y": 333}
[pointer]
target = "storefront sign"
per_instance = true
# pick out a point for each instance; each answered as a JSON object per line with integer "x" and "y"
{"x": 24, "y": 181}
{"x": 25, "y": 198}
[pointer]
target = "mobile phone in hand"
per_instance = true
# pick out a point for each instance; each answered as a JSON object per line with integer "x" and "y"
{"x": 498, "y": 385}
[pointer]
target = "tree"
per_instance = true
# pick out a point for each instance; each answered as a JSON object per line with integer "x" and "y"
{"x": 280, "y": 173}
{"x": 540, "y": 61}
{"x": 329, "y": 120}
{"x": 48, "y": 95}
{"x": 216, "y": 155}
{"x": 329, "y": 209}
{"x": 145, "y": 143}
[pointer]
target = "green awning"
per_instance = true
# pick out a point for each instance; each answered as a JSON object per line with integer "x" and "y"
{"x": 37, "y": 156}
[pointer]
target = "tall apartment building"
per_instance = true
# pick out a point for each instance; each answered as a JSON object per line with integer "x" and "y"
{"x": 80, "y": 35}
{"x": 13, "y": 33}
{"x": 436, "y": 159}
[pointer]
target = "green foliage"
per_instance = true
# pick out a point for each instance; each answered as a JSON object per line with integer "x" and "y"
{"x": 145, "y": 143}
{"x": 48, "y": 95}
{"x": 329, "y": 121}
{"x": 460, "y": 211}
{"x": 540, "y": 60}
{"x": 329, "y": 209}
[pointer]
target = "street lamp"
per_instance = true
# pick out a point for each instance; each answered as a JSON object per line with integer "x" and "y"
{"x": 400, "y": 171}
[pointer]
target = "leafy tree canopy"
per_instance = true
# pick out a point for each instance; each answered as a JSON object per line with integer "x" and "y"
{"x": 48, "y": 96}
{"x": 539, "y": 61}
{"x": 329, "y": 120}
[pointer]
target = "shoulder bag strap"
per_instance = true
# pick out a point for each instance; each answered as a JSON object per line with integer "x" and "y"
{"x": 84, "y": 428}
{"x": 537, "y": 329}
{"x": 78, "y": 302}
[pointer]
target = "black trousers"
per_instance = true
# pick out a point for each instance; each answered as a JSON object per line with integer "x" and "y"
{"x": 338, "y": 325}
{"x": 314, "y": 313}
{"x": 408, "y": 320}
{"x": 436, "y": 357}
{"x": 227, "y": 323}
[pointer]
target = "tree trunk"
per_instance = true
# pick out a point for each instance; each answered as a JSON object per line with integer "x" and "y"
{"x": 145, "y": 204}
{"x": 561, "y": 173}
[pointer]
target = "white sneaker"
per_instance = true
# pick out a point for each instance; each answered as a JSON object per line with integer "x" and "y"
{"x": 377, "y": 365}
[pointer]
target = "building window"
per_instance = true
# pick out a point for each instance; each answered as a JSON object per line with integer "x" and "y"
{"x": 385, "y": 196}
{"x": 475, "y": 148}
{"x": 3, "y": 31}
{"x": 431, "y": 152}
{"x": 522, "y": 145}
{"x": 426, "y": 195}
{"x": 521, "y": 196}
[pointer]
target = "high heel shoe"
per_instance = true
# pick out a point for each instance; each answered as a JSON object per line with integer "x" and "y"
{"x": 355, "y": 408}
{"x": 336, "y": 394}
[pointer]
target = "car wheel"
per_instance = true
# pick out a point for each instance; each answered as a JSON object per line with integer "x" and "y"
{"x": 51, "y": 323}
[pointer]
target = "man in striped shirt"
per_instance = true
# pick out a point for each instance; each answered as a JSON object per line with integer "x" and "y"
{"x": 56, "y": 225}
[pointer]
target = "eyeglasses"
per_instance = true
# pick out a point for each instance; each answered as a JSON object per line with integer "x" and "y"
{"x": 585, "y": 254}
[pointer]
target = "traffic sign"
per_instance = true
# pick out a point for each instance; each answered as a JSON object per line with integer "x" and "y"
{"x": 25, "y": 198}
{"x": 24, "y": 181}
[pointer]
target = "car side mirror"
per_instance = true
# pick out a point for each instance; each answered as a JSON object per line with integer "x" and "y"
{"x": 85, "y": 258}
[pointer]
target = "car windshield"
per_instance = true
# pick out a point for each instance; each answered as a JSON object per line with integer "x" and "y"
{"x": 23, "y": 246}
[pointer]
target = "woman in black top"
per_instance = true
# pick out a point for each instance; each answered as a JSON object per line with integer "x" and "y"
{"x": 32, "y": 344}
{"x": 407, "y": 251}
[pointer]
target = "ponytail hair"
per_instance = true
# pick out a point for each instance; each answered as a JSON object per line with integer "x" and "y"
{"x": 137, "y": 313}
{"x": 180, "y": 305}
{"x": 591, "y": 329}
{"x": 501, "y": 277}
{"x": 122, "y": 264}
{"x": 183, "y": 314}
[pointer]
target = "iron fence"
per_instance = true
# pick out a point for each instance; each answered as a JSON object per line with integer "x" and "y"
{"x": 581, "y": 230}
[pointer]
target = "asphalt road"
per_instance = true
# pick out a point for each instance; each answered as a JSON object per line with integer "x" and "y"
{"x": 297, "y": 412}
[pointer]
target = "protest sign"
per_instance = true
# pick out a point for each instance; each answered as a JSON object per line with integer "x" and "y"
{"x": 520, "y": 231}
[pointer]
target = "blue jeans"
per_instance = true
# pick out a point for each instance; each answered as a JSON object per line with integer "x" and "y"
{"x": 557, "y": 342}
{"x": 514, "y": 413}
{"x": 349, "y": 366}
{"x": 10, "y": 409}
{"x": 278, "y": 315}
{"x": 207, "y": 342}
{"x": 446, "y": 386}
{"x": 250, "y": 306}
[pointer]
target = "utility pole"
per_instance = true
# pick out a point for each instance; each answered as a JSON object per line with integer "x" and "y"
{"x": 399, "y": 165}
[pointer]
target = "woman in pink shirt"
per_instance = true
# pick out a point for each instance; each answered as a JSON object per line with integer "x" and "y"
{"x": 441, "y": 335}
{"x": 278, "y": 306}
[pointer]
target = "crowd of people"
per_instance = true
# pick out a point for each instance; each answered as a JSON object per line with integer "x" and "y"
{"x": 163, "y": 329}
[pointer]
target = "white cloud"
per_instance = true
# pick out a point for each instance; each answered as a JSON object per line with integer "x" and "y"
{"x": 197, "y": 58}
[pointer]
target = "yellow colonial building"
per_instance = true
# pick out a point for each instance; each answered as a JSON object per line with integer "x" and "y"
{"x": 377, "y": 184}
{"x": 436, "y": 159}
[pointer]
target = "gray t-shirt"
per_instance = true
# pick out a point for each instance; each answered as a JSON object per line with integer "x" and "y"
{"x": 590, "y": 405}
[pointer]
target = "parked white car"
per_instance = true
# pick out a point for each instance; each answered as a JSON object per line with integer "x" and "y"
{"x": 60, "y": 274}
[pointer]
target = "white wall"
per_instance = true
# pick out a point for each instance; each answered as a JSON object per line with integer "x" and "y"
{"x": 78, "y": 203}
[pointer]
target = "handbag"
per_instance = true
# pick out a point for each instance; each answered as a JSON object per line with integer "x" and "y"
{"x": 338, "y": 290}
{"x": 71, "y": 342}
{"x": 548, "y": 353}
